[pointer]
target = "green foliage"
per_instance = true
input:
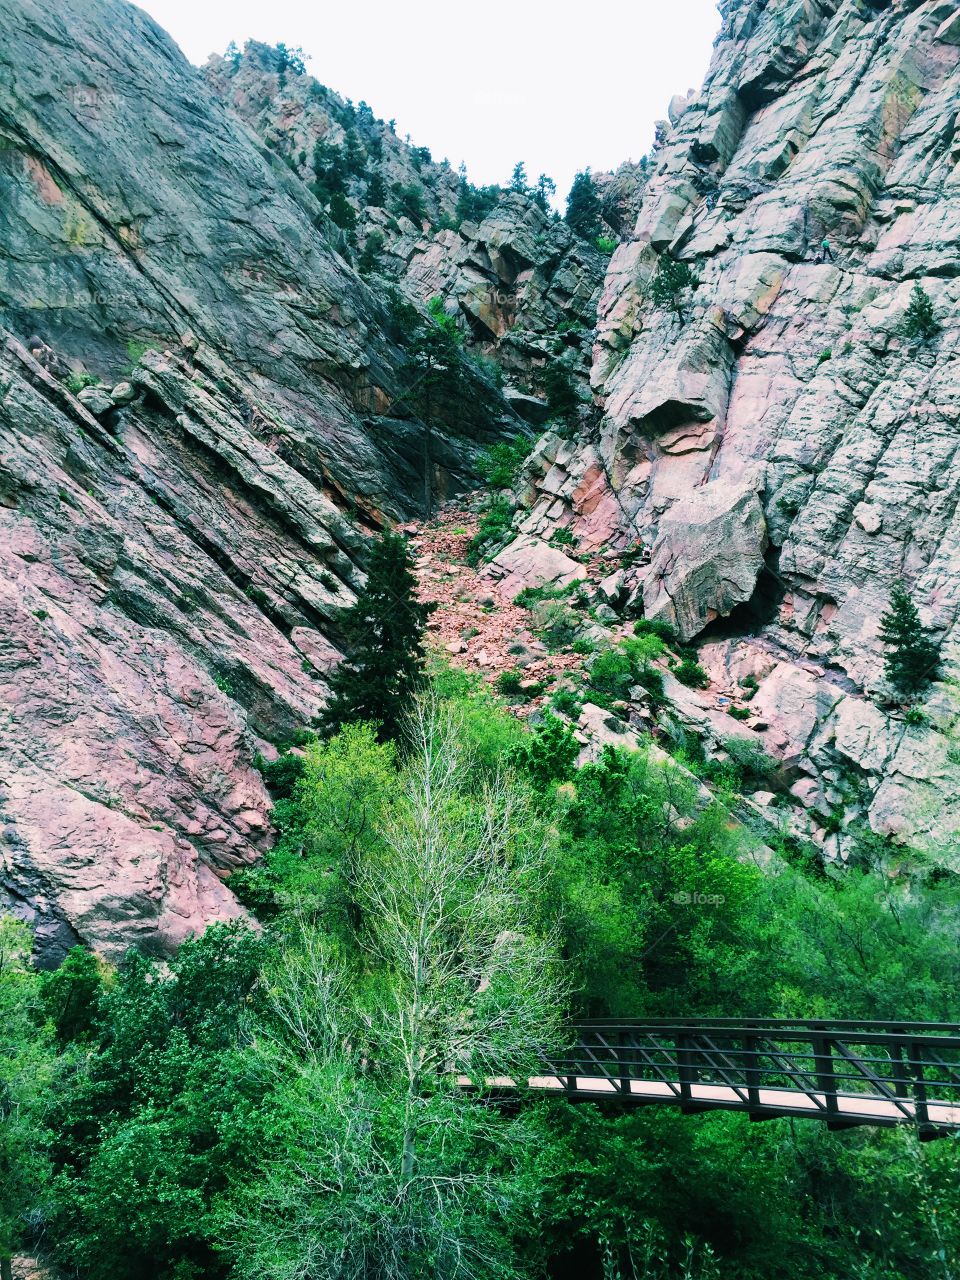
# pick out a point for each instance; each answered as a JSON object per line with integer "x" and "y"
{"x": 671, "y": 283}
{"x": 605, "y": 245}
{"x": 655, "y": 627}
{"x": 290, "y": 60}
{"x": 544, "y": 189}
{"x": 384, "y": 636}
{"x": 370, "y": 253}
{"x": 27, "y": 1089}
{"x": 331, "y": 171}
{"x": 403, "y": 317}
{"x": 408, "y": 202}
{"x": 495, "y": 523}
{"x": 490, "y": 368}
{"x": 475, "y": 203}
{"x": 739, "y": 713}
{"x": 527, "y": 597}
{"x": 752, "y": 768}
{"x": 919, "y": 322}
{"x": 689, "y": 672}
{"x": 912, "y": 660}
{"x": 136, "y": 351}
{"x": 789, "y": 504}
{"x": 282, "y": 774}
{"x": 376, "y": 196}
{"x": 583, "y": 207}
{"x": 77, "y": 382}
{"x": 436, "y": 374}
{"x": 500, "y": 465}
{"x": 916, "y": 717}
{"x": 615, "y": 671}
{"x": 566, "y": 700}
{"x": 611, "y": 677}
{"x": 278, "y": 1105}
{"x": 370, "y": 1162}
{"x": 518, "y": 179}
{"x": 516, "y": 686}
{"x": 144, "y": 1143}
{"x": 650, "y": 890}
{"x": 71, "y": 995}
{"x": 555, "y": 623}
{"x": 562, "y": 537}
{"x": 342, "y": 212}
{"x": 549, "y": 754}
{"x": 560, "y": 391}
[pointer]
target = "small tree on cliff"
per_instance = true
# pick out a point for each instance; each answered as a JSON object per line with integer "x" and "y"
{"x": 912, "y": 660}
{"x": 384, "y": 631}
{"x": 583, "y": 207}
{"x": 518, "y": 179}
{"x": 671, "y": 282}
{"x": 919, "y": 322}
{"x": 436, "y": 369}
{"x": 545, "y": 188}
{"x": 560, "y": 390}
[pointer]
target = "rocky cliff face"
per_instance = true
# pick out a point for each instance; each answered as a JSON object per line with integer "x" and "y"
{"x": 178, "y": 537}
{"x": 523, "y": 287}
{"x": 781, "y": 447}
{"x": 202, "y": 415}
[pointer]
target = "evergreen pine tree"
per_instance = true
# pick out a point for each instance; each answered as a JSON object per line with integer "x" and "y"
{"x": 583, "y": 207}
{"x": 545, "y": 188}
{"x": 912, "y": 659}
{"x": 671, "y": 281}
{"x": 376, "y": 190}
{"x": 518, "y": 179}
{"x": 384, "y": 633}
{"x": 372, "y": 248}
{"x": 919, "y": 322}
{"x": 437, "y": 371}
{"x": 561, "y": 393}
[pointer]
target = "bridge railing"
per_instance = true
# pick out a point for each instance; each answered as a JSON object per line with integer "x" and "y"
{"x": 841, "y": 1072}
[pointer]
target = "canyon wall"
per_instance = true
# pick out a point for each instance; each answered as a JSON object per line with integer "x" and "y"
{"x": 178, "y": 537}
{"x": 783, "y": 449}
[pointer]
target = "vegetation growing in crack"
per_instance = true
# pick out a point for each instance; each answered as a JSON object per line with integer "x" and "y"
{"x": 672, "y": 283}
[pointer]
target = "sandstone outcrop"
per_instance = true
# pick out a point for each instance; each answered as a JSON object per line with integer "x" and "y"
{"x": 203, "y": 414}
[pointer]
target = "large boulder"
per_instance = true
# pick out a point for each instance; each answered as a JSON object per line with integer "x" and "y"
{"x": 707, "y": 557}
{"x": 531, "y": 562}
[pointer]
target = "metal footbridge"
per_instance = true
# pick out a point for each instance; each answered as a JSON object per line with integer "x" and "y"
{"x": 841, "y": 1073}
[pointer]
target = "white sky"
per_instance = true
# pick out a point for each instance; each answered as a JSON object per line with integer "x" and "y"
{"x": 557, "y": 85}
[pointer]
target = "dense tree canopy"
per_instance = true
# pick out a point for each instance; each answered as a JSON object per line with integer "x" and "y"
{"x": 282, "y": 1103}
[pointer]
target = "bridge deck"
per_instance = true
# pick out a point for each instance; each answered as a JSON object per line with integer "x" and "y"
{"x": 842, "y": 1073}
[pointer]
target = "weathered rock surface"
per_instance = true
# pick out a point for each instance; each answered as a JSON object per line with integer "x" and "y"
{"x": 176, "y": 540}
{"x": 530, "y": 562}
{"x": 830, "y": 119}
{"x": 522, "y": 285}
{"x": 707, "y": 556}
